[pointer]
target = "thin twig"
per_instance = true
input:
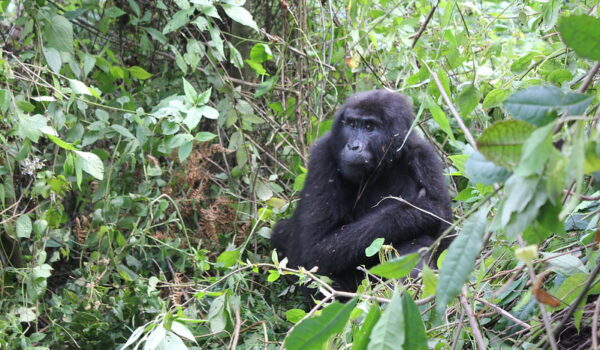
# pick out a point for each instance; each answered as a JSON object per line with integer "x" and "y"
{"x": 459, "y": 120}
{"x": 472, "y": 320}
{"x": 589, "y": 78}
{"x": 595, "y": 325}
{"x": 545, "y": 317}
{"x": 424, "y": 25}
{"x": 400, "y": 199}
{"x": 504, "y": 313}
{"x": 236, "y": 330}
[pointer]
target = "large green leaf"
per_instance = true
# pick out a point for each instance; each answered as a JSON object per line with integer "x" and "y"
{"x": 396, "y": 268}
{"x": 539, "y": 105}
{"x": 389, "y": 333}
{"x": 582, "y": 34}
{"x": 480, "y": 170}
{"x": 468, "y": 99}
{"x": 90, "y": 163}
{"x": 59, "y": 34}
{"x": 361, "y": 338}
{"x": 536, "y": 151}
{"x": 240, "y": 15}
{"x": 313, "y": 332}
{"x": 416, "y": 339}
{"x": 502, "y": 142}
{"x": 518, "y": 191}
{"x": 460, "y": 259}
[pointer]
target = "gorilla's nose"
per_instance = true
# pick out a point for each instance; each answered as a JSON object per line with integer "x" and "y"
{"x": 353, "y": 147}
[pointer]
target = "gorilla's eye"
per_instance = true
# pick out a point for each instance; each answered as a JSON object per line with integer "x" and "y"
{"x": 352, "y": 123}
{"x": 369, "y": 126}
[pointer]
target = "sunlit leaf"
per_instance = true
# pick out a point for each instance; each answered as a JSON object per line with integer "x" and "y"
{"x": 240, "y": 15}
{"x": 389, "y": 332}
{"x": 361, "y": 338}
{"x": 502, "y": 142}
{"x": 396, "y": 268}
{"x": 313, "y": 332}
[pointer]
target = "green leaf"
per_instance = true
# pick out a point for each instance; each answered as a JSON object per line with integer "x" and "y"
{"x": 192, "y": 118}
{"x": 62, "y": 144}
{"x": 374, "y": 247}
{"x": 190, "y": 92}
{"x": 240, "y": 15}
{"x": 123, "y": 131}
{"x": 396, "y": 268}
{"x": 114, "y": 12}
{"x": 480, "y": 170}
{"x": 4, "y": 100}
{"x": 204, "y": 136}
{"x": 502, "y": 142}
{"x": 539, "y": 105}
{"x": 389, "y": 332}
{"x": 582, "y": 34}
{"x": 53, "y": 58}
{"x": 139, "y": 73}
{"x": 78, "y": 87}
{"x": 263, "y": 191}
{"x": 299, "y": 182}
{"x": 209, "y": 112}
{"x": 31, "y": 127}
{"x": 592, "y": 157}
{"x": 228, "y": 258}
{"x": 294, "y": 315}
{"x": 273, "y": 276}
{"x": 258, "y": 68}
{"x": 59, "y": 34}
{"x": 361, "y": 338}
{"x": 185, "y": 150}
{"x": 468, "y": 99}
{"x": 439, "y": 116}
{"x": 179, "y": 19}
{"x": 90, "y": 163}
{"x": 559, "y": 76}
{"x": 495, "y": 98}
{"x": 429, "y": 281}
{"x": 460, "y": 259}
{"x": 156, "y": 35}
{"x": 414, "y": 329}
{"x": 181, "y": 330}
{"x": 518, "y": 191}
{"x": 155, "y": 338}
{"x": 520, "y": 221}
{"x": 23, "y": 226}
{"x": 535, "y": 151}
{"x": 204, "y": 97}
{"x": 260, "y": 53}
{"x": 313, "y": 332}
{"x": 570, "y": 289}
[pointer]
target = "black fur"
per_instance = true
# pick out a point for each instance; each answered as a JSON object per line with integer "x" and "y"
{"x": 350, "y": 172}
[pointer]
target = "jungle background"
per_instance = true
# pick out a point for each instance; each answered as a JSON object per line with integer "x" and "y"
{"x": 148, "y": 148}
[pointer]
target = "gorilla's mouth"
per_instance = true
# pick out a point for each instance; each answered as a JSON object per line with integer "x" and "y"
{"x": 356, "y": 169}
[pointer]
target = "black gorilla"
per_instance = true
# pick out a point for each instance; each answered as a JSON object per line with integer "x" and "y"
{"x": 368, "y": 156}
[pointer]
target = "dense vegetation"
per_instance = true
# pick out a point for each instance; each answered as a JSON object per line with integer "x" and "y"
{"x": 148, "y": 148}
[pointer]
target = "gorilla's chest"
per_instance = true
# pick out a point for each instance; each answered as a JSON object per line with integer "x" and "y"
{"x": 383, "y": 192}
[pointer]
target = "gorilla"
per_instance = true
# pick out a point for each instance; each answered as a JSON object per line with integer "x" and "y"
{"x": 367, "y": 157}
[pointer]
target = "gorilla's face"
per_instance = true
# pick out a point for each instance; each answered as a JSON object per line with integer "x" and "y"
{"x": 362, "y": 140}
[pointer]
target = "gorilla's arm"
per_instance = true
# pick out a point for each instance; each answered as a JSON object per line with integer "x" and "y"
{"x": 336, "y": 249}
